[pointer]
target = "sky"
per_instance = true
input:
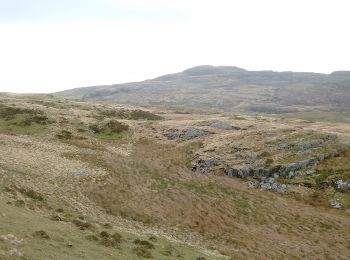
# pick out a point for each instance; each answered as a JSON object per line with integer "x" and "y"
{"x": 53, "y": 45}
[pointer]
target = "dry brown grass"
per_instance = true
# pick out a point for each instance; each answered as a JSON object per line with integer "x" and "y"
{"x": 143, "y": 183}
{"x": 153, "y": 187}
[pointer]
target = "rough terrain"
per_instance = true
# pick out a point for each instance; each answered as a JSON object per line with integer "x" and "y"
{"x": 94, "y": 180}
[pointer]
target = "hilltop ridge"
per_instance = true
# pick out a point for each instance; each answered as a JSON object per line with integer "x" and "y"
{"x": 228, "y": 88}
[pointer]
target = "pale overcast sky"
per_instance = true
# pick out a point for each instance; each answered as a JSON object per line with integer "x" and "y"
{"x": 51, "y": 45}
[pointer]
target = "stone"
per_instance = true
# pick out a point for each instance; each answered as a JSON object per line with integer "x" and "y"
{"x": 291, "y": 175}
{"x": 310, "y": 145}
{"x": 79, "y": 174}
{"x": 320, "y": 157}
{"x": 331, "y": 136}
{"x": 204, "y": 166}
{"x": 251, "y": 185}
{"x": 192, "y": 133}
{"x": 303, "y": 152}
{"x": 232, "y": 172}
{"x": 342, "y": 185}
{"x": 172, "y": 134}
{"x": 208, "y": 162}
{"x": 271, "y": 184}
{"x": 335, "y": 203}
{"x": 222, "y": 125}
{"x": 282, "y": 146}
{"x": 310, "y": 172}
{"x": 244, "y": 172}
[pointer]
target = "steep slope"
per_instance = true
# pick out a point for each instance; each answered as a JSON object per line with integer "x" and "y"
{"x": 227, "y": 88}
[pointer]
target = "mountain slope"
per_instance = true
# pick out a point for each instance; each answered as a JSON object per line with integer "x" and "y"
{"x": 226, "y": 88}
{"x": 83, "y": 180}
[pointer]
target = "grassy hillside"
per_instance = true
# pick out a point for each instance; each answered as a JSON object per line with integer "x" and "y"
{"x": 96, "y": 181}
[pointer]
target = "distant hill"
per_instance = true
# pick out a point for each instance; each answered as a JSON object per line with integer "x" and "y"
{"x": 226, "y": 88}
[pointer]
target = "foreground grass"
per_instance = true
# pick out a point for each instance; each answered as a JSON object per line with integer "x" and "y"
{"x": 39, "y": 237}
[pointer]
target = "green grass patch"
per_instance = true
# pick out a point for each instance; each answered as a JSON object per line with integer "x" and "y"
{"x": 113, "y": 130}
{"x": 14, "y": 120}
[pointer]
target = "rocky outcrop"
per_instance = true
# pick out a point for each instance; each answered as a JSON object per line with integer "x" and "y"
{"x": 187, "y": 134}
{"x": 342, "y": 185}
{"x": 283, "y": 146}
{"x": 223, "y": 125}
{"x": 173, "y": 134}
{"x": 192, "y": 133}
{"x": 272, "y": 184}
{"x": 204, "y": 166}
{"x": 252, "y": 185}
{"x": 268, "y": 175}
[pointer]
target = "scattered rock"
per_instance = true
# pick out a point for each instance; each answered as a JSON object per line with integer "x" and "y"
{"x": 222, "y": 125}
{"x": 310, "y": 145}
{"x": 232, "y": 172}
{"x": 342, "y": 185}
{"x": 172, "y": 134}
{"x": 244, "y": 172}
{"x": 303, "y": 152}
{"x": 271, "y": 184}
{"x": 335, "y": 203}
{"x": 282, "y": 146}
{"x": 187, "y": 134}
{"x": 331, "y": 136}
{"x": 251, "y": 185}
{"x": 204, "y": 166}
{"x": 192, "y": 133}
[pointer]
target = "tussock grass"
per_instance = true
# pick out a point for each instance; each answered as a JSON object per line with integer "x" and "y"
{"x": 137, "y": 114}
